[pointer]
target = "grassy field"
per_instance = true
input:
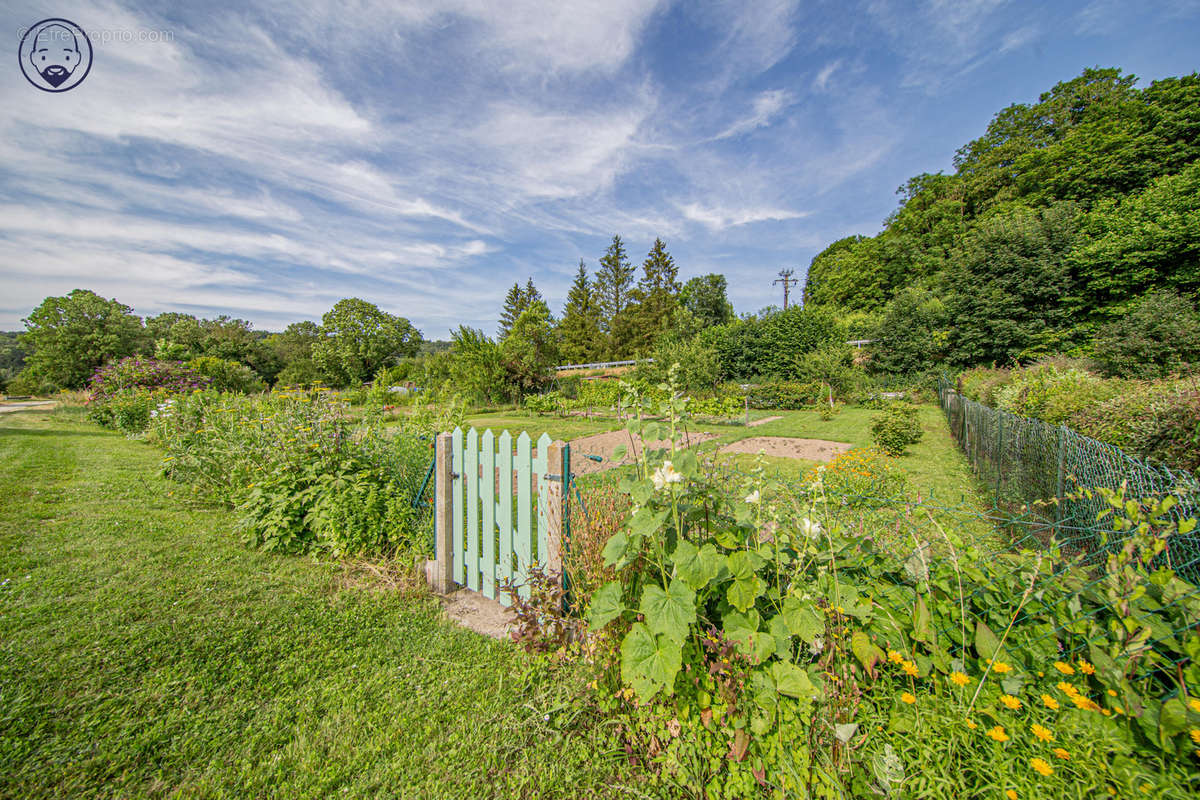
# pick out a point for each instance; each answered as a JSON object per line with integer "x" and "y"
{"x": 935, "y": 466}
{"x": 147, "y": 653}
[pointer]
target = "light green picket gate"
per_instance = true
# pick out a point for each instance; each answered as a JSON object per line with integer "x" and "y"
{"x": 499, "y": 510}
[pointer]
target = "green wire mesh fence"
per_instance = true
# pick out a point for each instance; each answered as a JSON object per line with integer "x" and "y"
{"x": 1032, "y": 468}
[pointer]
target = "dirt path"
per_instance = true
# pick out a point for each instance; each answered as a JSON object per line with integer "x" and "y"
{"x": 603, "y": 445}
{"x": 788, "y": 447}
{"x": 28, "y": 405}
{"x": 763, "y": 421}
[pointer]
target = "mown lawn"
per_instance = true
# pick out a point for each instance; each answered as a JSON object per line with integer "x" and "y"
{"x": 937, "y": 470}
{"x": 144, "y": 652}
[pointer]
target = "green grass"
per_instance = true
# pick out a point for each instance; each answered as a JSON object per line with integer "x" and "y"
{"x": 146, "y": 653}
{"x": 937, "y": 470}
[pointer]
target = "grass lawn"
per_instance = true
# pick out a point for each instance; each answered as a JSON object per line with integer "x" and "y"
{"x": 937, "y": 470}
{"x": 146, "y": 653}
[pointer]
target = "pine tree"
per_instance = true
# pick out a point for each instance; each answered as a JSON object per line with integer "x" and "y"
{"x": 532, "y": 294}
{"x": 581, "y": 340}
{"x": 657, "y": 298}
{"x": 614, "y": 283}
{"x": 514, "y": 304}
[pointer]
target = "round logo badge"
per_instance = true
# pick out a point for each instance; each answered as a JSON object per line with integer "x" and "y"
{"x": 55, "y": 55}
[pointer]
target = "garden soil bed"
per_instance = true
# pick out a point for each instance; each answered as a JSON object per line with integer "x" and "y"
{"x": 603, "y": 445}
{"x": 788, "y": 447}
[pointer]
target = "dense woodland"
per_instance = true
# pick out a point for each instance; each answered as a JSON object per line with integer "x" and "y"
{"x": 1070, "y": 227}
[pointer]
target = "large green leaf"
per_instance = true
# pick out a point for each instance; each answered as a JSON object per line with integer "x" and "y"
{"x": 867, "y": 653}
{"x": 921, "y": 628}
{"x": 744, "y": 563}
{"x": 648, "y": 662}
{"x": 606, "y": 605}
{"x": 803, "y": 619}
{"x": 697, "y": 566}
{"x": 614, "y": 548}
{"x": 792, "y": 681}
{"x": 671, "y": 612}
{"x": 647, "y": 521}
{"x": 687, "y": 464}
{"x": 986, "y": 643}
{"x": 743, "y": 592}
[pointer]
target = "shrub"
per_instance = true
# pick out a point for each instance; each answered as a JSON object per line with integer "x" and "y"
{"x": 896, "y": 427}
{"x": 304, "y": 474}
{"x": 1159, "y": 336}
{"x": 599, "y": 394}
{"x": 1156, "y": 420}
{"x": 228, "y": 376}
{"x": 785, "y": 395}
{"x": 980, "y": 384}
{"x": 1051, "y": 393}
{"x": 123, "y": 395}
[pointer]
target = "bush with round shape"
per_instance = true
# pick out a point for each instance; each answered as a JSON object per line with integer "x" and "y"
{"x": 896, "y": 427}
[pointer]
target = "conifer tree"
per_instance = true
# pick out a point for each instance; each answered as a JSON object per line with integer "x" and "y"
{"x": 514, "y": 304}
{"x": 581, "y": 339}
{"x": 656, "y": 297}
{"x": 614, "y": 282}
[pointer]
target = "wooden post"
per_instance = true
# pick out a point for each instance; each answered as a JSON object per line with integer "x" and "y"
{"x": 747, "y": 409}
{"x": 443, "y": 566}
{"x": 555, "y": 499}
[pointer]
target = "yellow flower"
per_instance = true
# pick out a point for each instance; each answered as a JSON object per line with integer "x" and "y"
{"x": 971, "y": 725}
{"x": 1010, "y": 701}
{"x": 1010, "y": 794}
{"x": 1106, "y": 712}
{"x": 895, "y": 657}
{"x": 1063, "y": 754}
{"x": 1195, "y": 734}
{"x": 910, "y": 669}
{"x": 998, "y": 734}
{"x": 959, "y": 678}
{"x": 1041, "y": 766}
{"x": 1000, "y": 668}
{"x": 1086, "y": 668}
{"x": 1082, "y": 702}
{"x": 1068, "y": 689}
{"x": 1193, "y": 704}
{"x": 1042, "y": 733}
{"x": 1064, "y": 668}
{"x": 1050, "y": 702}
{"x": 1118, "y": 709}
{"x": 908, "y": 698}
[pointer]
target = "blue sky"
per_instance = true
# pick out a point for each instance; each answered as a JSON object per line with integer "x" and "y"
{"x": 424, "y": 155}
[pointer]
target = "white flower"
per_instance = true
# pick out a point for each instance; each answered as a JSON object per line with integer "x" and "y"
{"x": 817, "y": 646}
{"x": 664, "y": 475}
{"x": 751, "y": 498}
{"x": 810, "y": 528}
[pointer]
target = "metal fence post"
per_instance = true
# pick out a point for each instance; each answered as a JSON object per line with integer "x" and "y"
{"x": 1062, "y": 447}
{"x": 999, "y": 456}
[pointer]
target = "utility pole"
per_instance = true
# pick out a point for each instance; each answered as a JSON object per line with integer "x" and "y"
{"x": 785, "y": 277}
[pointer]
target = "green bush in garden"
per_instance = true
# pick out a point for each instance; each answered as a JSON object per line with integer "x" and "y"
{"x": 785, "y": 395}
{"x": 228, "y": 376}
{"x": 1159, "y": 336}
{"x": 896, "y": 427}
{"x": 759, "y": 641}
{"x": 304, "y": 474}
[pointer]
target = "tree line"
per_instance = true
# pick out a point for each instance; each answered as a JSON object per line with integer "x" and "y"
{"x": 1066, "y": 216}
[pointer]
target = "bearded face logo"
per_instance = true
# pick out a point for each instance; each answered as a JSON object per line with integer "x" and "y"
{"x": 57, "y": 52}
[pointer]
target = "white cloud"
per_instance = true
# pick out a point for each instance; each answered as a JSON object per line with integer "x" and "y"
{"x": 764, "y": 108}
{"x": 717, "y": 218}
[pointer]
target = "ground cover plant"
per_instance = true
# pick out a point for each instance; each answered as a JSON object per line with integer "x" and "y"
{"x": 754, "y": 647}
{"x": 149, "y": 654}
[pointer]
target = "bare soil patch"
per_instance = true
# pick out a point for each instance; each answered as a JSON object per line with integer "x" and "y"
{"x": 603, "y": 445}
{"x": 789, "y": 447}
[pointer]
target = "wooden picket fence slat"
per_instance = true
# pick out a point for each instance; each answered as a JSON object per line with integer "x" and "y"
{"x": 500, "y": 510}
